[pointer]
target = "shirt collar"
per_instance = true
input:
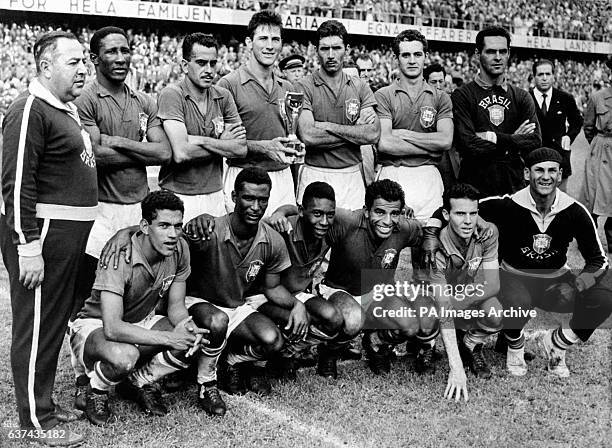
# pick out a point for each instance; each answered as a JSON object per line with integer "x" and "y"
{"x": 449, "y": 245}
{"x": 298, "y": 230}
{"x": 397, "y": 87}
{"x": 103, "y": 91}
{"x": 246, "y": 76}
{"x": 228, "y": 235}
{"x": 539, "y": 94}
{"x": 137, "y": 255}
{"x": 525, "y": 199}
{"x": 41, "y": 92}
{"x": 318, "y": 79}
{"x": 503, "y": 83}
{"x": 190, "y": 92}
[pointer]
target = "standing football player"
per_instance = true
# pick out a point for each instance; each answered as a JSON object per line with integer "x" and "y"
{"x": 203, "y": 127}
{"x": 416, "y": 122}
{"x": 258, "y": 94}
{"x": 338, "y": 117}
{"x": 495, "y": 123}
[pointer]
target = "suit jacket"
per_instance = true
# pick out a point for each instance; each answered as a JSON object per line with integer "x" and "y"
{"x": 563, "y": 118}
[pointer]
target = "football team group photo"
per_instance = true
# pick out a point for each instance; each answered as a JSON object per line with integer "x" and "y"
{"x": 351, "y": 224}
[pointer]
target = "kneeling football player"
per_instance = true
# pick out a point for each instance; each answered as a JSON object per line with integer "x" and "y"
{"x": 471, "y": 268}
{"x": 117, "y": 326}
{"x": 238, "y": 267}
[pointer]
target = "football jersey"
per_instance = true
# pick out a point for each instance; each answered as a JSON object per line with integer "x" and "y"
{"x": 223, "y": 276}
{"x": 536, "y": 245}
{"x": 457, "y": 268}
{"x": 299, "y": 276}
{"x": 141, "y": 285}
{"x": 359, "y": 259}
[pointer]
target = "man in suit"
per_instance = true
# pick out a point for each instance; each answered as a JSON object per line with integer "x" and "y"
{"x": 559, "y": 117}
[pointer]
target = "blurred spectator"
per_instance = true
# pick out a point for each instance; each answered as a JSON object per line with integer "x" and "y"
{"x": 156, "y": 56}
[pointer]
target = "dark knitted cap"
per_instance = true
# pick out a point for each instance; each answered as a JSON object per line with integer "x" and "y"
{"x": 542, "y": 155}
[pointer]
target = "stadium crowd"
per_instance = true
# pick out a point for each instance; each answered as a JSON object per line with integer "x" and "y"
{"x": 582, "y": 19}
{"x": 155, "y": 56}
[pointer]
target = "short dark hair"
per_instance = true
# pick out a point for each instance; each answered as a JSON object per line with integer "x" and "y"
{"x": 160, "y": 200}
{"x": 266, "y": 17}
{"x": 539, "y": 62}
{"x": 98, "y": 36}
{"x": 458, "y": 81}
{"x": 206, "y": 40}
{"x": 490, "y": 32}
{"x": 48, "y": 43}
{"x": 384, "y": 189}
{"x": 318, "y": 190}
{"x": 252, "y": 175}
{"x": 409, "y": 36}
{"x": 459, "y": 191}
{"x": 433, "y": 68}
{"x": 332, "y": 28}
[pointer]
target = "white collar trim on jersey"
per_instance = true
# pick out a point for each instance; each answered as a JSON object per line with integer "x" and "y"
{"x": 39, "y": 91}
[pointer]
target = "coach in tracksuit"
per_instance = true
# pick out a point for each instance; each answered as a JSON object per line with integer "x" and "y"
{"x": 50, "y": 201}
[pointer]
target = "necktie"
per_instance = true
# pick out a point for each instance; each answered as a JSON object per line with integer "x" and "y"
{"x": 544, "y": 110}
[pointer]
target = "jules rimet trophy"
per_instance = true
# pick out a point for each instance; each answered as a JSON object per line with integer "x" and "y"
{"x": 290, "y": 109}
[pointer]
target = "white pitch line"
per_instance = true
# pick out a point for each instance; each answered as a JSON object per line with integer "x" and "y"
{"x": 297, "y": 426}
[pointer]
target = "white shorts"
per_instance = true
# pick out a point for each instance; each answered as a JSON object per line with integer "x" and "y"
{"x": 236, "y": 315}
{"x": 422, "y": 186}
{"x": 110, "y": 219}
{"x": 347, "y": 184}
{"x": 80, "y": 330}
{"x": 195, "y": 205}
{"x": 327, "y": 291}
{"x": 282, "y": 193}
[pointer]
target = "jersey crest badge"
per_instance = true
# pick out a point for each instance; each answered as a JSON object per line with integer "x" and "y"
{"x": 143, "y": 121}
{"x": 219, "y": 126}
{"x": 352, "y": 109}
{"x": 253, "y": 271}
{"x": 541, "y": 243}
{"x": 87, "y": 155}
{"x": 473, "y": 266}
{"x": 165, "y": 286}
{"x": 387, "y": 259}
{"x": 428, "y": 116}
{"x": 496, "y": 114}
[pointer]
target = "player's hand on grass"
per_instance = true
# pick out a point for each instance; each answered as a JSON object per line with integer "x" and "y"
{"x": 456, "y": 386}
{"x": 233, "y": 131}
{"x": 367, "y": 116}
{"x": 119, "y": 242}
{"x": 298, "y": 322}
{"x": 280, "y": 223}
{"x": 200, "y": 228}
{"x": 525, "y": 128}
{"x": 185, "y": 335}
{"x": 31, "y": 271}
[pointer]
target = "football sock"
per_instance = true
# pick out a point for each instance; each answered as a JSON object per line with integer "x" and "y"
{"x": 98, "y": 380}
{"x": 315, "y": 336}
{"x": 476, "y": 336}
{"x": 515, "y": 343}
{"x": 207, "y": 363}
{"x": 206, "y": 385}
{"x": 159, "y": 366}
{"x": 246, "y": 354}
{"x": 564, "y": 338}
{"x": 428, "y": 340}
